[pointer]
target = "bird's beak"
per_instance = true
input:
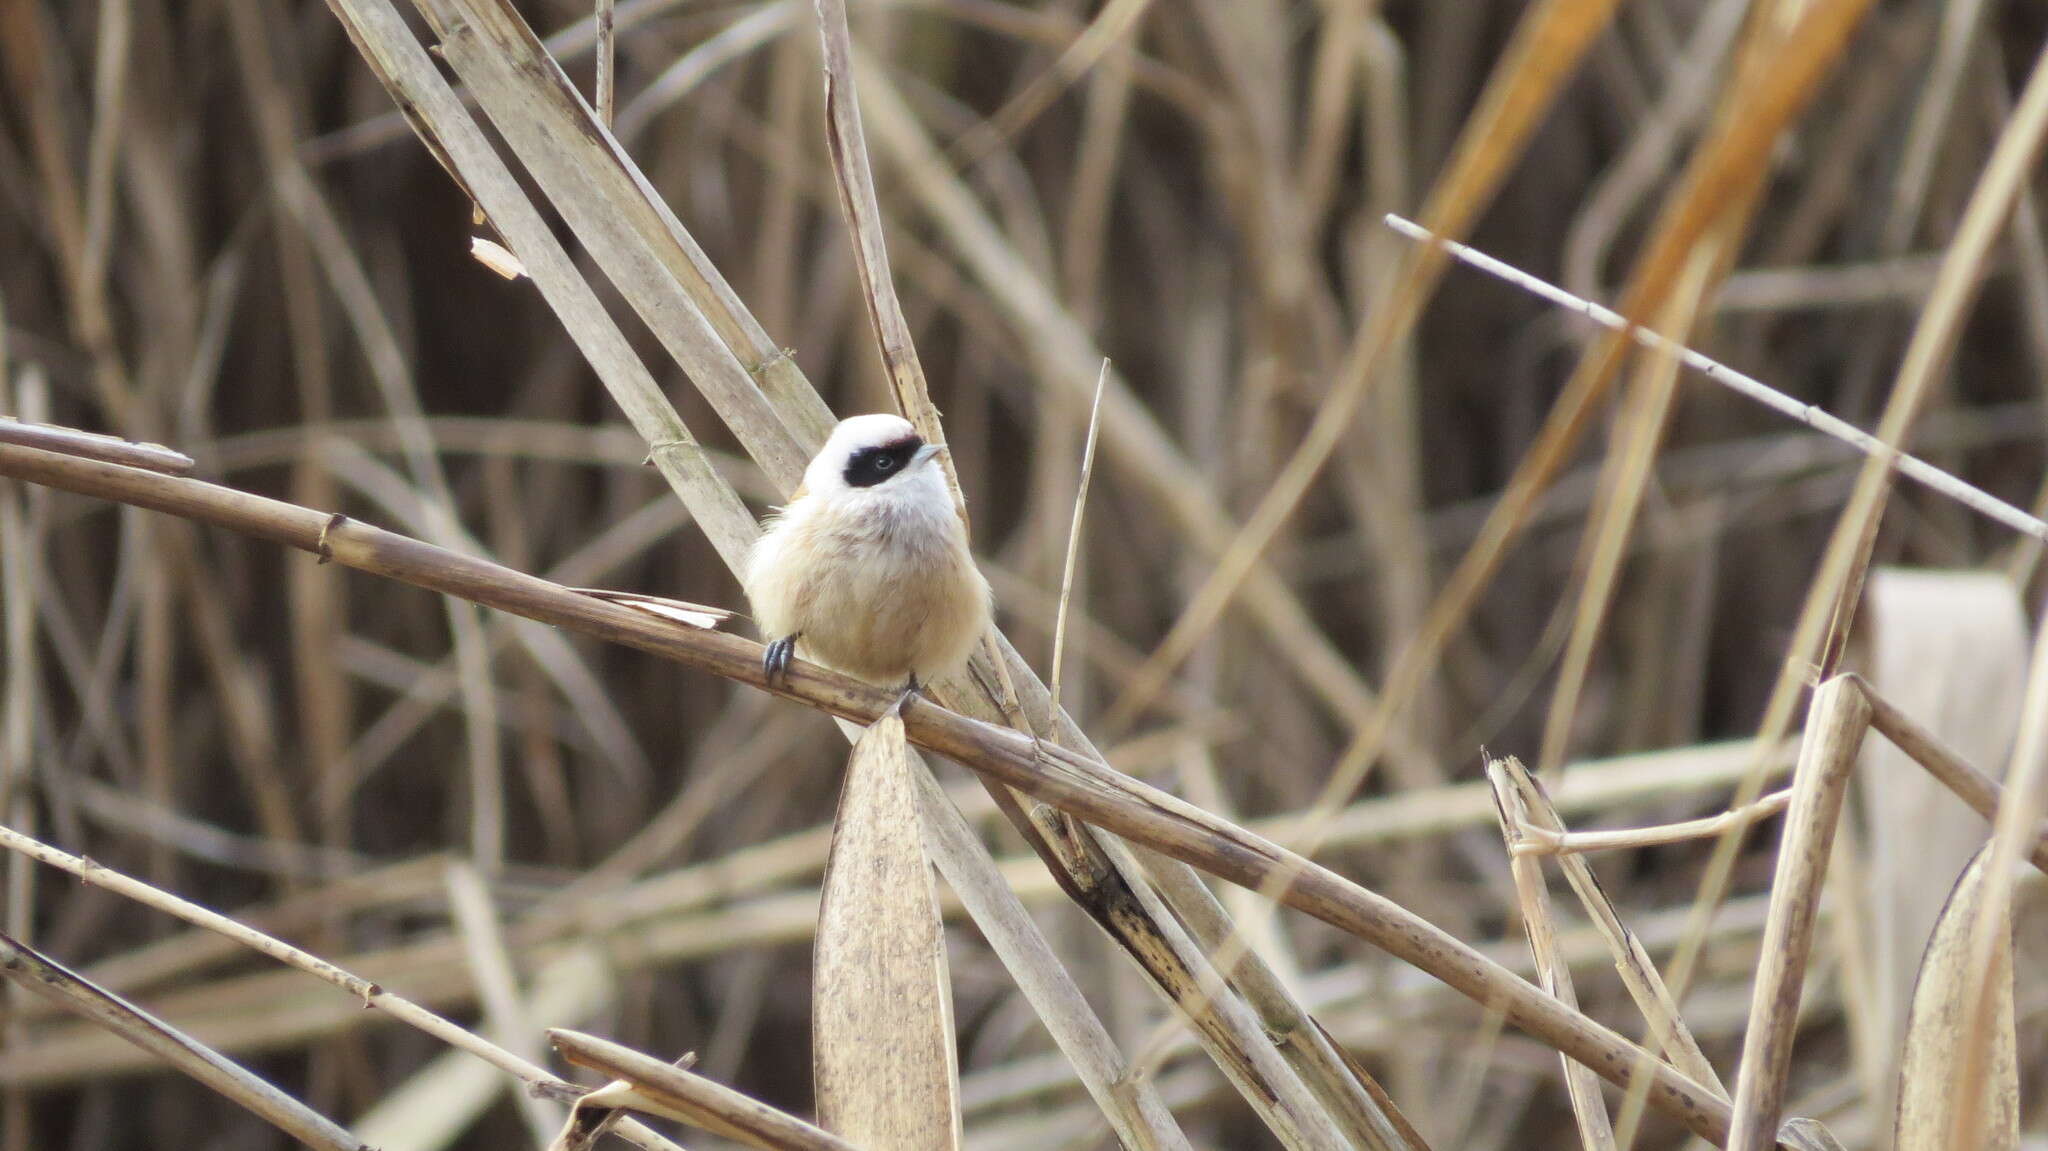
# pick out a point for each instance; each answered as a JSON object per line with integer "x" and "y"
{"x": 925, "y": 453}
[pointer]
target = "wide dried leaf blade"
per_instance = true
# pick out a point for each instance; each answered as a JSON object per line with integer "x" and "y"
{"x": 882, "y": 1043}
{"x": 1935, "y": 1034}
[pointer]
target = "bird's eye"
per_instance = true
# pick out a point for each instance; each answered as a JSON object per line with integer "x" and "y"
{"x": 884, "y": 463}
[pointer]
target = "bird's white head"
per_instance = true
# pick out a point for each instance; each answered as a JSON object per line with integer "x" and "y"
{"x": 879, "y": 454}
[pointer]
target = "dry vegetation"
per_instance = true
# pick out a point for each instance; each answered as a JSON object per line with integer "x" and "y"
{"x": 1362, "y": 520}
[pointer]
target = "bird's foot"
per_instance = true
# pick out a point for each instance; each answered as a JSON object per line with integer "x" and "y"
{"x": 775, "y": 659}
{"x": 910, "y": 688}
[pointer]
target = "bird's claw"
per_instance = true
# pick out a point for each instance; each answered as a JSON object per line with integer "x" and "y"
{"x": 910, "y": 688}
{"x": 775, "y": 659}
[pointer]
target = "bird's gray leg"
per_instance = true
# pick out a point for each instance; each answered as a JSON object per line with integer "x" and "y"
{"x": 775, "y": 659}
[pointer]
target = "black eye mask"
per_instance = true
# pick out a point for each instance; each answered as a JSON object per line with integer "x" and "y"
{"x": 870, "y": 466}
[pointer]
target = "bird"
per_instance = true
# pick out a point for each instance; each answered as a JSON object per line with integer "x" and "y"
{"x": 867, "y": 569}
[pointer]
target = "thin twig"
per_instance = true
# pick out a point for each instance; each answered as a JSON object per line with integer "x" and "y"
{"x": 1983, "y": 794}
{"x": 1543, "y": 841}
{"x": 1059, "y": 627}
{"x": 1809, "y": 414}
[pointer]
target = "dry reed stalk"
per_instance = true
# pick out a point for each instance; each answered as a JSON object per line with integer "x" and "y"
{"x": 846, "y": 142}
{"x": 1117, "y": 894}
{"x": 1362, "y": 1111}
{"x": 1079, "y": 786}
{"x": 28, "y": 969}
{"x": 1119, "y": 904}
{"x": 668, "y": 243}
{"x": 506, "y": 1021}
{"x": 1133, "y": 441}
{"x": 1129, "y": 1100}
{"x": 1540, "y": 823}
{"x": 370, "y": 994}
{"x": 1984, "y": 992}
{"x": 399, "y": 61}
{"x": 1727, "y": 165}
{"x": 433, "y": 1108}
{"x": 1407, "y": 818}
{"x": 245, "y": 1013}
{"x": 1546, "y": 841}
{"x": 94, "y": 446}
{"x": 663, "y": 1089}
{"x": 1219, "y": 213}
{"x": 1059, "y": 629}
{"x": 1835, "y": 724}
{"x": 1968, "y": 783}
{"x": 1720, "y": 167}
{"x": 1624, "y": 478}
{"x": 605, "y": 88}
{"x": 1382, "y": 1022}
{"x": 1983, "y": 794}
{"x": 1596, "y": 1129}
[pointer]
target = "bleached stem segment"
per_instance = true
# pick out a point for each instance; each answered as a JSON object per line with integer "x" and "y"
{"x": 1813, "y": 417}
{"x": 1835, "y": 723}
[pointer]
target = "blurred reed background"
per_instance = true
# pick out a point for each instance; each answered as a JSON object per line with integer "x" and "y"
{"x": 216, "y": 233}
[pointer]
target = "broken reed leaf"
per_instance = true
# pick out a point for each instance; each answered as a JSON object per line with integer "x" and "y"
{"x": 599, "y": 1112}
{"x": 882, "y": 1050}
{"x": 588, "y": 1121}
{"x": 1511, "y": 782}
{"x": 1937, "y": 1029}
{"x": 497, "y": 257}
{"x": 695, "y": 615}
{"x": 650, "y": 1085}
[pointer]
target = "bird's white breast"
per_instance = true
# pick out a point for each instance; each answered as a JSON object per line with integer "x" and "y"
{"x": 878, "y": 583}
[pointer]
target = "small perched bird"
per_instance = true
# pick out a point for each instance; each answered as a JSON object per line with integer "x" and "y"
{"x": 867, "y": 569}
